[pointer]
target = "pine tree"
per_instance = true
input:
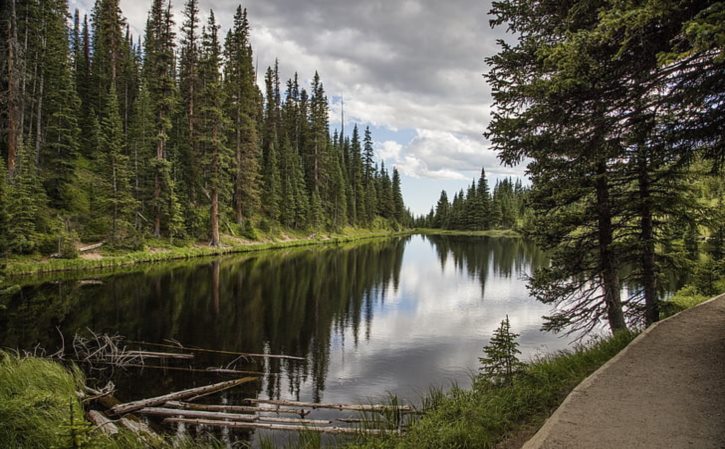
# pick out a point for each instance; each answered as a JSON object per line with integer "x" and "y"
{"x": 60, "y": 146}
{"x": 398, "y": 204}
{"x": 115, "y": 198}
{"x": 159, "y": 78}
{"x": 242, "y": 94}
{"x": 217, "y": 155}
{"x": 26, "y": 205}
{"x": 501, "y": 364}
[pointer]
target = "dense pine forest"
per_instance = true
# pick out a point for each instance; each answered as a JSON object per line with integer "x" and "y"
{"x": 478, "y": 209}
{"x": 119, "y": 138}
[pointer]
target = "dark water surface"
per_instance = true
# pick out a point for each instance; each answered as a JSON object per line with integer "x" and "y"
{"x": 395, "y": 315}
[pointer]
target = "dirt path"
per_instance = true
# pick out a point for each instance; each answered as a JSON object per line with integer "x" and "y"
{"x": 665, "y": 390}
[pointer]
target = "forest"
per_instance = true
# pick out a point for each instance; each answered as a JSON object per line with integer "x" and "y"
{"x": 119, "y": 138}
{"x": 617, "y": 113}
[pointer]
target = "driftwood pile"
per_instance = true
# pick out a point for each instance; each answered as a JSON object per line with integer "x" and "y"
{"x": 177, "y": 408}
{"x": 180, "y": 407}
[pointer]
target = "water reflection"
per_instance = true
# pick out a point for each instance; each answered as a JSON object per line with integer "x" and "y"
{"x": 391, "y": 315}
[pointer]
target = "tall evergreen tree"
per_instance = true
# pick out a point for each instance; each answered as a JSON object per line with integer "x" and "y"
{"x": 213, "y": 133}
{"x": 60, "y": 146}
{"x": 115, "y": 198}
{"x": 159, "y": 76}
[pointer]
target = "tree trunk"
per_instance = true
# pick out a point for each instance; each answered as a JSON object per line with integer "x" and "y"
{"x": 649, "y": 277}
{"x": 609, "y": 274}
{"x": 214, "y": 216}
{"x": 238, "y": 180}
{"x": 13, "y": 115}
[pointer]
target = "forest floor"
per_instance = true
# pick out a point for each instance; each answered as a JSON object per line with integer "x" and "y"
{"x": 156, "y": 251}
{"x": 667, "y": 389}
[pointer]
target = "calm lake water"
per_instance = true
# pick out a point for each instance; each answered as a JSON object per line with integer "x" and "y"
{"x": 384, "y": 316}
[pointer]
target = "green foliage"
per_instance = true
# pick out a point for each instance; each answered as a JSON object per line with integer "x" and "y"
{"x": 501, "y": 364}
{"x": 34, "y": 402}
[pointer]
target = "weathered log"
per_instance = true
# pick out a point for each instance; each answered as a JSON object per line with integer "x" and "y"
{"x": 181, "y": 368}
{"x": 161, "y": 411}
{"x": 122, "y": 409}
{"x": 217, "y": 351}
{"x": 294, "y": 420}
{"x": 237, "y": 408}
{"x": 102, "y": 422}
{"x": 261, "y": 425}
{"x": 158, "y": 355}
{"x": 356, "y": 407}
{"x": 90, "y": 247}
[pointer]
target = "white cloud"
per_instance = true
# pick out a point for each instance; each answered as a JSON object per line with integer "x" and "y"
{"x": 442, "y": 155}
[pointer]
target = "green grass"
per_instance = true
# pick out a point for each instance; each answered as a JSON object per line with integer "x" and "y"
{"x": 163, "y": 251}
{"x": 499, "y": 233}
{"x": 36, "y": 399}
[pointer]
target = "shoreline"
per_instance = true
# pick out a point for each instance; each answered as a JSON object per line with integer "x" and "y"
{"x": 22, "y": 267}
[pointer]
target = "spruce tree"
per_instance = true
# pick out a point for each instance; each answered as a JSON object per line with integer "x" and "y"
{"x": 242, "y": 95}
{"x": 217, "y": 155}
{"x": 160, "y": 81}
{"x": 115, "y": 197}
{"x": 398, "y": 204}
{"x": 501, "y": 364}
{"x": 60, "y": 146}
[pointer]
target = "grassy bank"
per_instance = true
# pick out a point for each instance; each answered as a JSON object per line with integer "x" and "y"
{"x": 165, "y": 252}
{"x": 39, "y": 409}
{"x": 508, "y": 233}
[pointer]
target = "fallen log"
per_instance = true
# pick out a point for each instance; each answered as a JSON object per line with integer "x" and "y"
{"x": 101, "y": 422}
{"x": 356, "y": 407}
{"x": 179, "y": 368}
{"x": 261, "y": 425}
{"x": 237, "y": 408}
{"x": 160, "y": 411}
{"x": 90, "y": 247}
{"x": 122, "y": 409}
{"x": 158, "y": 355}
{"x": 217, "y": 351}
{"x": 294, "y": 420}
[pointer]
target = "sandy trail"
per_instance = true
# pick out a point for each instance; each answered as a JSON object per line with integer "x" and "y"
{"x": 665, "y": 390}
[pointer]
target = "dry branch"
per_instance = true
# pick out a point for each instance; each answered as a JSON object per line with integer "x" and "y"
{"x": 356, "y": 407}
{"x": 237, "y": 408}
{"x": 121, "y": 409}
{"x": 261, "y": 425}
{"x": 216, "y": 351}
{"x": 160, "y": 411}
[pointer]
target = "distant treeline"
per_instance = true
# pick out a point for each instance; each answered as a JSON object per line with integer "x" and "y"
{"x": 478, "y": 209}
{"x": 108, "y": 137}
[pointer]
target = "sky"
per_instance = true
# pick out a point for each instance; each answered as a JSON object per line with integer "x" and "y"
{"x": 412, "y": 70}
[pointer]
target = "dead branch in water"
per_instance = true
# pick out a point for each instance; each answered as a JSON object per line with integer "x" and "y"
{"x": 356, "y": 407}
{"x": 179, "y": 346}
{"x": 238, "y": 408}
{"x": 122, "y": 409}
{"x": 261, "y": 425}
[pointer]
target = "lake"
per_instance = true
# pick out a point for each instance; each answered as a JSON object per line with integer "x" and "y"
{"x": 383, "y": 316}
